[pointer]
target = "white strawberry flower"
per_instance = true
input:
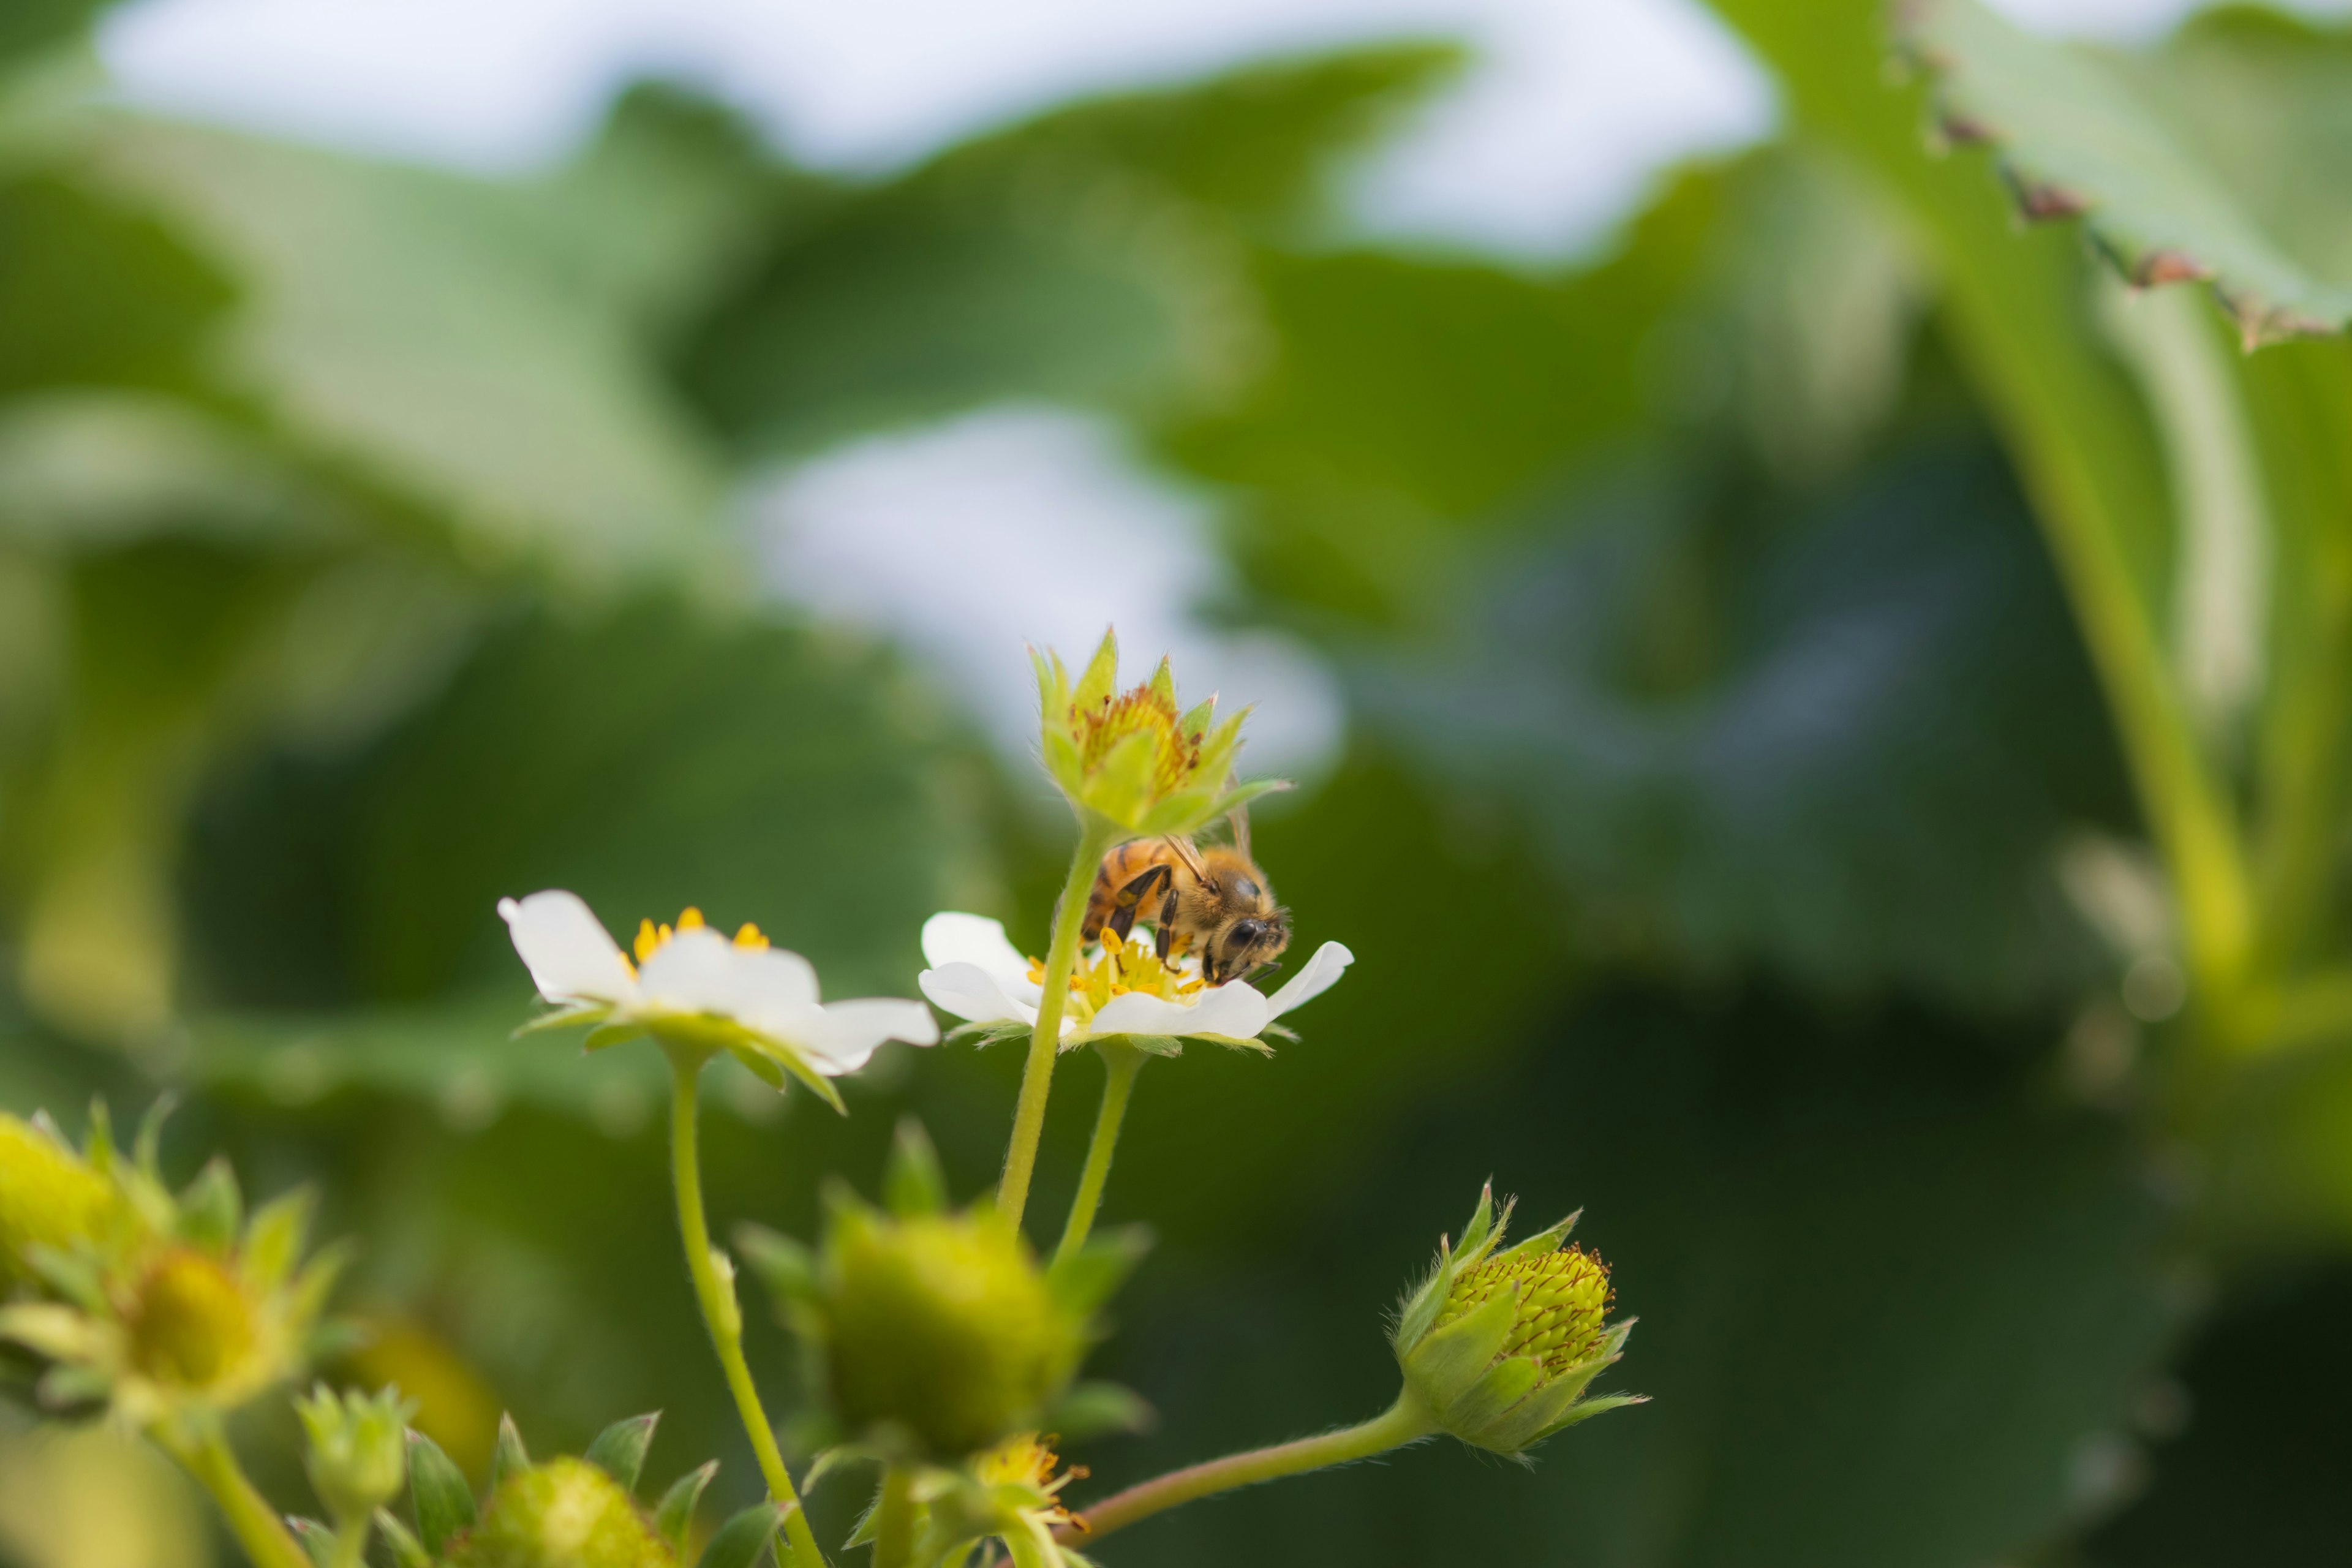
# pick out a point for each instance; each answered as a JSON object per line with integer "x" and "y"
{"x": 1119, "y": 988}
{"x": 691, "y": 985}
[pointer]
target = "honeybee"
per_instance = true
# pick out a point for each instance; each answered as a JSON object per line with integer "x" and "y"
{"x": 1212, "y": 898}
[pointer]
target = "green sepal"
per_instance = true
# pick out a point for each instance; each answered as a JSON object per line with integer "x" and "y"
{"x": 1493, "y": 1395}
{"x": 146, "y": 1147}
{"x": 674, "y": 1517}
{"x": 1603, "y": 1406}
{"x": 1100, "y": 678}
{"x": 1480, "y": 1235}
{"x": 604, "y": 1036}
{"x": 758, "y": 1066}
{"x": 827, "y": 1460}
{"x": 437, "y": 1492}
{"x": 273, "y": 1242}
{"x": 76, "y": 1276}
{"x": 211, "y": 1209}
{"x": 1420, "y": 1307}
{"x": 1150, "y": 1044}
{"x": 407, "y": 1552}
{"x": 97, "y": 1143}
{"x": 1120, "y": 785}
{"x": 1089, "y": 1276}
{"x": 822, "y": 1086}
{"x": 786, "y": 1269}
{"x": 563, "y": 1017}
{"x": 317, "y": 1540}
{"x": 619, "y": 1449}
{"x": 739, "y": 1540}
{"x": 913, "y": 1185}
{"x": 316, "y": 1281}
{"x": 869, "y": 1524}
{"x": 1235, "y": 1042}
{"x": 1535, "y": 1417}
{"x": 1098, "y": 1409}
{"x": 1449, "y": 1361}
{"x": 509, "y": 1458}
{"x": 1198, "y": 718}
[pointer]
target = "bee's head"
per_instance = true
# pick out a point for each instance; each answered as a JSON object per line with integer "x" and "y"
{"x": 1246, "y": 945}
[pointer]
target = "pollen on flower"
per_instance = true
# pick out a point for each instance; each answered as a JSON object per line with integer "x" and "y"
{"x": 1028, "y": 1460}
{"x": 1115, "y": 968}
{"x": 1562, "y": 1298}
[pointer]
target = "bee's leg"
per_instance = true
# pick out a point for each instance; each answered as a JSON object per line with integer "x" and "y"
{"x": 1131, "y": 898}
{"x": 1167, "y": 919}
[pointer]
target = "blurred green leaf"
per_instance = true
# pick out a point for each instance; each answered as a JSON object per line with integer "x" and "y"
{"x": 94, "y": 291}
{"x": 28, "y": 24}
{"x": 431, "y": 332}
{"x": 1090, "y": 256}
{"x": 1861, "y": 770}
{"x": 2223, "y": 156}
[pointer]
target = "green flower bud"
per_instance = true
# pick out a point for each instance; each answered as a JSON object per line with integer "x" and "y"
{"x": 1499, "y": 1346}
{"x": 932, "y": 1335}
{"x": 49, "y": 1196}
{"x": 357, "y": 1455}
{"x": 1132, "y": 760}
{"x": 566, "y": 1513}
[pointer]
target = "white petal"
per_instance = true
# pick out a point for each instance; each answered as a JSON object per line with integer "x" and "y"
{"x": 694, "y": 971}
{"x": 772, "y": 977}
{"x": 1235, "y": 1010}
{"x": 843, "y": 1035}
{"x": 954, "y": 938}
{"x": 570, "y": 955}
{"x": 1321, "y": 972}
{"x": 970, "y": 992}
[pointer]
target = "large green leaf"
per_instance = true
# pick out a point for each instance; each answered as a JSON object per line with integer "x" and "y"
{"x": 2225, "y": 156}
{"x": 439, "y": 337}
{"x": 1092, "y": 256}
{"x": 642, "y": 759}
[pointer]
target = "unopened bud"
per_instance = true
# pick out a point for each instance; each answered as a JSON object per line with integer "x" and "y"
{"x": 1500, "y": 1345}
{"x": 357, "y": 1455}
{"x": 566, "y": 1513}
{"x": 49, "y": 1196}
{"x": 191, "y": 1323}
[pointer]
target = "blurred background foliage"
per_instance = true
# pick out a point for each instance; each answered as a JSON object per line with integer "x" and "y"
{"x": 1828, "y": 677}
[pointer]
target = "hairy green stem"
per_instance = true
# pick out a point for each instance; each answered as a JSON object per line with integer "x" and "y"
{"x": 1121, "y": 1062}
{"x": 1406, "y": 1421}
{"x": 263, "y": 1535}
{"x": 1046, "y": 1040}
{"x": 721, "y": 1311}
{"x": 894, "y": 1520}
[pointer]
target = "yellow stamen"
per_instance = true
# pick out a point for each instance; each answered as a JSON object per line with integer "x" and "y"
{"x": 750, "y": 936}
{"x": 689, "y": 919}
{"x": 648, "y": 939}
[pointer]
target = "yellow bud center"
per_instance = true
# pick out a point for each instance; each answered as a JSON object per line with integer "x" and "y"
{"x": 1563, "y": 1298}
{"x": 191, "y": 1322}
{"x": 1113, "y": 968}
{"x": 1146, "y": 711}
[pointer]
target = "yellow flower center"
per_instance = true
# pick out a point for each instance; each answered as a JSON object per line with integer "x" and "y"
{"x": 652, "y": 938}
{"x": 192, "y": 1324}
{"x": 1113, "y": 968}
{"x": 1146, "y": 711}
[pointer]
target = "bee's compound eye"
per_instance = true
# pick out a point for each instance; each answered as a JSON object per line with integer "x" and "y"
{"x": 1246, "y": 934}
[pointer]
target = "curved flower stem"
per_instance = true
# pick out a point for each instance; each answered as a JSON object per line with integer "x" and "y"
{"x": 351, "y": 1544}
{"x": 1406, "y": 1421}
{"x": 1121, "y": 1062}
{"x": 894, "y": 1521}
{"x": 1045, "y": 1041}
{"x": 267, "y": 1541}
{"x": 721, "y": 1311}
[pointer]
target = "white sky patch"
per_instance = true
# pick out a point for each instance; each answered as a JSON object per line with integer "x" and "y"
{"x": 967, "y": 538}
{"x": 1574, "y": 108}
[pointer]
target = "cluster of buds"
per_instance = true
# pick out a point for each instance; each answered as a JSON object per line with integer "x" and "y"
{"x": 931, "y": 1335}
{"x": 565, "y": 1513}
{"x": 1132, "y": 761}
{"x": 1498, "y": 1345}
{"x": 1010, "y": 1493}
{"x": 170, "y": 1309}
